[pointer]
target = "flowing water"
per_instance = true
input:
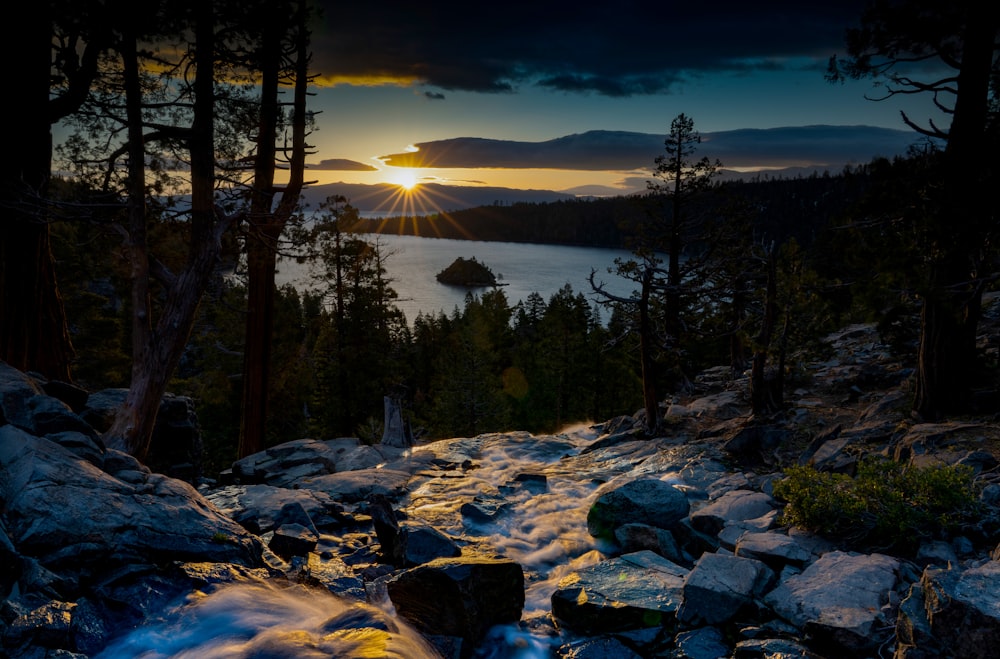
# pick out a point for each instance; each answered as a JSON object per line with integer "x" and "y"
{"x": 524, "y": 268}
{"x": 548, "y": 482}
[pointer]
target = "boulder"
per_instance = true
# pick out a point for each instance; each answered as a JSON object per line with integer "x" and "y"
{"x": 733, "y": 506}
{"x": 643, "y": 500}
{"x": 632, "y": 591}
{"x": 719, "y": 586}
{"x": 461, "y": 597}
{"x": 70, "y": 515}
{"x": 175, "y": 447}
{"x": 958, "y": 608}
{"x": 838, "y": 599}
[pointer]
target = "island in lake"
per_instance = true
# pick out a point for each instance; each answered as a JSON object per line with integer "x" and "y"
{"x": 467, "y": 272}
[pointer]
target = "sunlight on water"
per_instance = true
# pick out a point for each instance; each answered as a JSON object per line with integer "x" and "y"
{"x": 542, "y": 487}
{"x": 242, "y": 621}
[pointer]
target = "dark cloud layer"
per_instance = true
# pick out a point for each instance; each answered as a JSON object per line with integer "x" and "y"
{"x": 800, "y": 146}
{"x": 342, "y": 165}
{"x": 616, "y": 49}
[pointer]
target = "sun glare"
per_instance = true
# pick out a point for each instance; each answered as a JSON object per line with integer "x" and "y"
{"x": 404, "y": 178}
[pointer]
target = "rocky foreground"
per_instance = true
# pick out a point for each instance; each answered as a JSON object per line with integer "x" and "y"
{"x": 94, "y": 544}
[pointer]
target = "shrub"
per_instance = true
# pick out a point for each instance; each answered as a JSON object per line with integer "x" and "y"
{"x": 887, "y": 505}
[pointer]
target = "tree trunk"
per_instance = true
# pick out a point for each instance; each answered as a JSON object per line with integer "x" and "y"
{"x": 157, "y": 349}
{"x": 947, "y": 360}
{"x": 33, "y": 329}
{"x": 267, "y": 224}
{"x": 650, "y": 398}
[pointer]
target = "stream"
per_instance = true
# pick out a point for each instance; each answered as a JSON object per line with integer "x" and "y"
{"x": 548, "y": 482}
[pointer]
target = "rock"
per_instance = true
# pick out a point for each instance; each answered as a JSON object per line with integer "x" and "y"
{"x": 175, "y": 447}
{"x": 734, "y": 506}
{"x": 629, "y": 592}
{"x": 645, "y": 500}
{"x": 960, "y": 611}
{"x": 70, "y": 515}
{"x": 484, "y": 509}
{"x": 637, "y": 537}
{"x": 598, "y": 648}
{"x": 837, "y": 600}
{"x": 423, "y": 543}
{"x": 359, "y": 485}
{"x": 701, "y": 643}
{"x": 461, "y": 597}
{"x": 257, "y": 507}
{"x": 754, "y": 443}
{"x": 291, "y": 539}
{"x": 774, "y": 549}
{"x": 719, "y": 586}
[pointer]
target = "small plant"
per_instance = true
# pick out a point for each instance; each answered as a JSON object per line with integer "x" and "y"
{"x": 887, "y": 505}
{"x": 221, "y": 538}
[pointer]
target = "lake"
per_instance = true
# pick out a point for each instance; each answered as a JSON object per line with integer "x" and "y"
{"x": 523, "y": 268}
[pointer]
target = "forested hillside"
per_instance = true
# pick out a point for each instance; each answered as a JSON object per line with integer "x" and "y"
{"x": 798, "y": 207}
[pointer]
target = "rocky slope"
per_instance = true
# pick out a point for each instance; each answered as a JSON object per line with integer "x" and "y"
{"x": 668, "y": 547}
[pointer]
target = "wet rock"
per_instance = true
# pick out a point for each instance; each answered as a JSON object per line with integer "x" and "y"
{"x": 637, "y": 537}
{"x": 333, "y": 574}
{"x": 701, "y": 643}
{"x": 291, "y": 539}
{"x": 461, "y": 597}
{"x": 484, "y": 509}
{"x": 597, "y": 648}
{"x": 359, "y": 485}
{"x": 644, "y": 500}
{"x": 258, "y": 507}
{"x": 68, "y": 514}
{"x": 629, "y": 592}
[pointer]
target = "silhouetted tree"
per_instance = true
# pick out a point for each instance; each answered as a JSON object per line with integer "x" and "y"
{"x": 895, "y": 43}
{"x": 56, "y": 46}
{"x": 670, "y": 223}
{"x": 283, "y": 56}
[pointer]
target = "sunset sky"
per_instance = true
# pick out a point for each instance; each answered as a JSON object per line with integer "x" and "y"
{"x": 398, "y": 74}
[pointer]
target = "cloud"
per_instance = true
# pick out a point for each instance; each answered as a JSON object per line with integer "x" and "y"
{"x": 614, "y": 49}
{"x": 801, "y": 146}
{"x": 342, "y": 165}
{"x": 434, "y": 96}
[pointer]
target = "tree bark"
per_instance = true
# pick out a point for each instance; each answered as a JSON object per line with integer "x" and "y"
{"x": 947, "y": 361}
{"x": 157, "y": 348}
{"x": 266, "y": 225}
{"x": 33, "y": 330}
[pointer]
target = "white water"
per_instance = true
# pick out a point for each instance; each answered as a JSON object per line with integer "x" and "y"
{"x": 545, "y": 531}
{"x": 525, "y": 268}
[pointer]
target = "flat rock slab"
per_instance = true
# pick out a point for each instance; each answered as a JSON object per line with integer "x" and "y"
{"x": 636, "y": 590}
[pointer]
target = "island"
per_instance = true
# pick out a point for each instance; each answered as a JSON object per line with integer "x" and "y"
{"x": 467, "y": 272}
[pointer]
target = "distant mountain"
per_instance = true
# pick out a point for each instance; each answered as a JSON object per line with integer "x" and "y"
{"x": 790, "y": 146}
{"x": 424, "y": 199}
{"x": 786, "y": 152}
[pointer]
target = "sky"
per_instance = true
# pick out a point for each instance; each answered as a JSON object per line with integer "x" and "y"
{"x": 490, "y": 94}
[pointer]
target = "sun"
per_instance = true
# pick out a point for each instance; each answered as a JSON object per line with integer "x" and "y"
{"x": 404, "y": 177}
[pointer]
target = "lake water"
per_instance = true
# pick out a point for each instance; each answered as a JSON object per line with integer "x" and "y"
{"x": 524, "y": 268}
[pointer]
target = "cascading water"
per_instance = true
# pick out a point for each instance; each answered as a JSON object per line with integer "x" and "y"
{"x": 546, "y": 485}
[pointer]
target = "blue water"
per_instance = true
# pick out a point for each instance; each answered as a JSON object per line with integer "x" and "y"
{"x": 523, "y": 268}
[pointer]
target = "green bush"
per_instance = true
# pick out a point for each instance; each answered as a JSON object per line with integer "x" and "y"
{"x": 887, "y": 505}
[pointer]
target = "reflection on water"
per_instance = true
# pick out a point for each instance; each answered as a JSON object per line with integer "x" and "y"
{"x": 245, "y": 621}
